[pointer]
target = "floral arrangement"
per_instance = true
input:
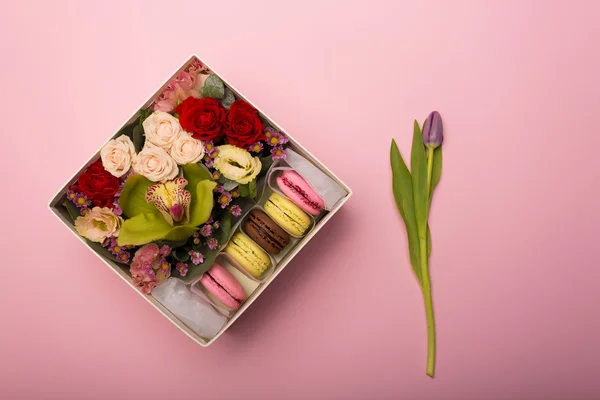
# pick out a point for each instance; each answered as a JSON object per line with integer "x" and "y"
{"x": 161, "y": 198}
{"x": 413, "y": 192}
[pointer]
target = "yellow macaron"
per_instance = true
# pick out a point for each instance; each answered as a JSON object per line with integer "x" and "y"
{"x": 248, "y": 255}
{"x": 287, "y": 215}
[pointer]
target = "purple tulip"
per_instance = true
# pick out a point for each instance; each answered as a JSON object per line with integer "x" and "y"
{"x": 433, "y": 130}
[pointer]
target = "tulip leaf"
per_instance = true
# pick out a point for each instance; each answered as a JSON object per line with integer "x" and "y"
{"x": 197, "y": 270}
{"x": 142, "y": 229}
{"x": 418, "y": 168}
{"x": 228, "y": 99}
{"x": 138, "y": 138}
{"x": 180, "y": 233}
{"x": 202, "y": 202}
{"x": 436, "y": 174}
{"x": 213, "y": 87}
{"x": 252, "y": 188}
{"x": 133, "y": 196}
{"x": 402, "y": 188}
{"x": 194, "y": 174}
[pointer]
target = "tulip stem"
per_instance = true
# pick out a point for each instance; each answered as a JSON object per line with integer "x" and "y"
{"x": 429, "y": 172}
{"x": 425, "y": 275}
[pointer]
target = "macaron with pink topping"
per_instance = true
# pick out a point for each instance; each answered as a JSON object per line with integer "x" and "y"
{"x": 300, "y": 192}
{"x": 223, "y": 286}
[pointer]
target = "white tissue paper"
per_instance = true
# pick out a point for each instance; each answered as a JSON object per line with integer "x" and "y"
{"x": 329, "y": 190}
{"x": 189, "y": 308}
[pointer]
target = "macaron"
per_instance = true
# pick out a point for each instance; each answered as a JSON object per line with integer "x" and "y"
{"x": 248, "y": 255}
{"x": 266, "y": 233}
{"x": 287, "y": 215}
{"x": 300, "y": 192}
{"x": 223, "y": 286}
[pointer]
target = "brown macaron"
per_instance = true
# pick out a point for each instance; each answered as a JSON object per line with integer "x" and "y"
{"x": 265, "y": 232}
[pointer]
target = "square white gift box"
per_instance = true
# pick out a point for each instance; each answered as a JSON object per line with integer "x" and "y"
{"x": 184, "y": 303}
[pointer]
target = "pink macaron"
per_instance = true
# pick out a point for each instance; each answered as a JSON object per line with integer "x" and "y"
{"x": 223, "y": 286}
{"x": 300, "y": 192}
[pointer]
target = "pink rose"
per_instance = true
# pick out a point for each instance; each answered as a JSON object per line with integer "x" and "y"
{"x": 148, "y": 268}
{"x": 184, "y": 85}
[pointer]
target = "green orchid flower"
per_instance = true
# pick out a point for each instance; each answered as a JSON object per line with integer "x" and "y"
{"x": 165, "y": 211}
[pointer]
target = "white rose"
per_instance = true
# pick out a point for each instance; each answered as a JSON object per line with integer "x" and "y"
{"x": 237, "y": 164}
{"x": 187, "y": 150}
{"x": 99, "y": 224}
{"x": 162, "y": 129}
{"x": 117, "y": 155}
{"x": 155, "y": 164}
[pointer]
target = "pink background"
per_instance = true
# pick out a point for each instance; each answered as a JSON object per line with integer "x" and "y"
{"x": 515, "y": 219}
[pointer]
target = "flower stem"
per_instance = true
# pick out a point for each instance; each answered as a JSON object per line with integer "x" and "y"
{"x": 429, "y": 172}
{"x": 429, "y": 314}
{"x": 425, "y": 275}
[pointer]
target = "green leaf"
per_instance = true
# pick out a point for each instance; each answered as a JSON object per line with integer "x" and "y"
{"x": 142, "y": 229}
{"x": 195, "y": 173}
{"x": 143, "y": 115}
{"x": 128, "y": 130}
{"x": 402, "y": 188}
{"x": 133, "y": 197}
{"x": 252, "y": 188}
{"x": 228, "y": 184}
{"x": 428, "y": 241}
{"x": 213, "y": 87}
{"x": 202, "y": 202}
{"x": 72, "y": 209}
{"x": 172, "y": 243}
{"x": 436, "y": 174}
{"x": 244, "y": 190}
{"x": 266, "y": 163}
{"x": 181, "y": 254}
{"x": 180, "y": 233}
{"x": 224, "y": 228}
{"x": 418, "y": 168}
{"x": 228, "y": 99}
{"x": 138, "y": 138}
{"x": 197, "y": 270}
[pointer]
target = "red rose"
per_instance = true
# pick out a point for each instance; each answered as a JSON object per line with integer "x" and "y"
{"x": 98, "y": 185}
{"x": 243, "y": 125}
{"x": 203, "y": 118}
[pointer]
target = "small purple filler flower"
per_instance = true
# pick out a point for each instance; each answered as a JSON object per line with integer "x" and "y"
{"x": 208, "y": 161}
{"x": 165, "y": 251}
{"x": 278, "y": 153}
{"x": 124, "y": 257}
{"x": 196, "y": 256}
{"x": 274, "y": 139}
{"x": 256, "y": 147}
{"x": 213, "y": 243}
{"x": 81, "y": 200}
{"x": 235, "y": 210}
{"x": 206, "y": 230}
{"x": 182, "y": 268}
{"x": 224, "y": 199}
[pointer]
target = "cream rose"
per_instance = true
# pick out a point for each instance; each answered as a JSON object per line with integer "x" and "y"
{"x": 99, "y": 224}
{"x": 155, "y": 164}
{"x": 187, "y": 150}
{"x": 162, "y": 129}
{"x": 236, "y": 164}
{"x": 117, "y": 155}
